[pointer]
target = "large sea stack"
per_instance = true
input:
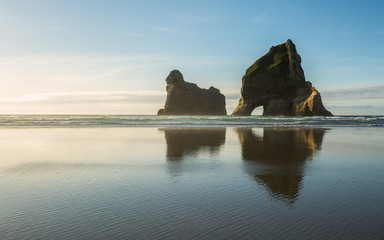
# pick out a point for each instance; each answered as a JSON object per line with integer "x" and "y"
{"x": 276, "y": 81}
{"x": 184, "y": 98}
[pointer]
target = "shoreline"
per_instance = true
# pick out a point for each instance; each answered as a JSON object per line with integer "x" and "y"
{"x": 122, "y": 121}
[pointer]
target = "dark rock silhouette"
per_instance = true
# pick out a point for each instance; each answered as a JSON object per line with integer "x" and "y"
{"x": 277, "y": 160}
{"x": 184, "y": 98}
{"x": 276, "y": 81}
{"x": 189, "y": 141}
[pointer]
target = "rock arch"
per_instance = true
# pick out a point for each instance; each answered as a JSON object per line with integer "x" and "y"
{"x": 276, "y": 81}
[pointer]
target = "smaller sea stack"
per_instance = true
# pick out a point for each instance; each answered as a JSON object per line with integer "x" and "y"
{"x": 184, "y": 98}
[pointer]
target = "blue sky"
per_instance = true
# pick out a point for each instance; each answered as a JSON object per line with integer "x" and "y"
{"x": 113, "y": 56}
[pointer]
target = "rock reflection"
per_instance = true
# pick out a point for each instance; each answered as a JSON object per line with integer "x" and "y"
{"x": 189, "y": 141}
{"x": 277, "y": 159}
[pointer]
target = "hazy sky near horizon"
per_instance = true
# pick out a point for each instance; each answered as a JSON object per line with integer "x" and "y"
{"x": 112, "y": 57}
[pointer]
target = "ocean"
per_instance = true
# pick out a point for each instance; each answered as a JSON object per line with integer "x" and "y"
{"x": 191, "y": 177}
{"x": 185, "y": 121}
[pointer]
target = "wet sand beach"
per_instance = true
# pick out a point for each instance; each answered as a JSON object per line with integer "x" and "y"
{"x": 191, "y": 183}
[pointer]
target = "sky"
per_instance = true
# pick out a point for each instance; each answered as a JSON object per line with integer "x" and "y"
{"x": 112, "y": 57}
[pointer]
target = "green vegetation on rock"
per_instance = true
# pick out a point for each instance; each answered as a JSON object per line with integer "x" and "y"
{"x": 273, "y": 58}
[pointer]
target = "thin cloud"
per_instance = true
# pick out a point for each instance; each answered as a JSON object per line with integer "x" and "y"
{"x": 366, "y": 92}
{"x": 165, "y": 29}
{"x": 92, "y": 102}
{"x": 88, "y": 97}
{"x": 356, "y": 109}
{"x": 54, "y": 28}
{"x": 199, "y": 20}
{"x": 231, "y": 94}
{"x": 174, "y": 31}
{"x": 70, "y": 61}
{"x": 77, "y": 72}
{"x": 366, "y": 100}
{"x": 260, "y": 19}
{"x": 134, "y": 34}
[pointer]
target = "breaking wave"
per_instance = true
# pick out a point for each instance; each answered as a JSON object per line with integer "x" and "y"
{"x": 16, "y": 121}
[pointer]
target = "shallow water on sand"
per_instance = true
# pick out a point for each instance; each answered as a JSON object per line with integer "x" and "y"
{"x": 191, "y": 183}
